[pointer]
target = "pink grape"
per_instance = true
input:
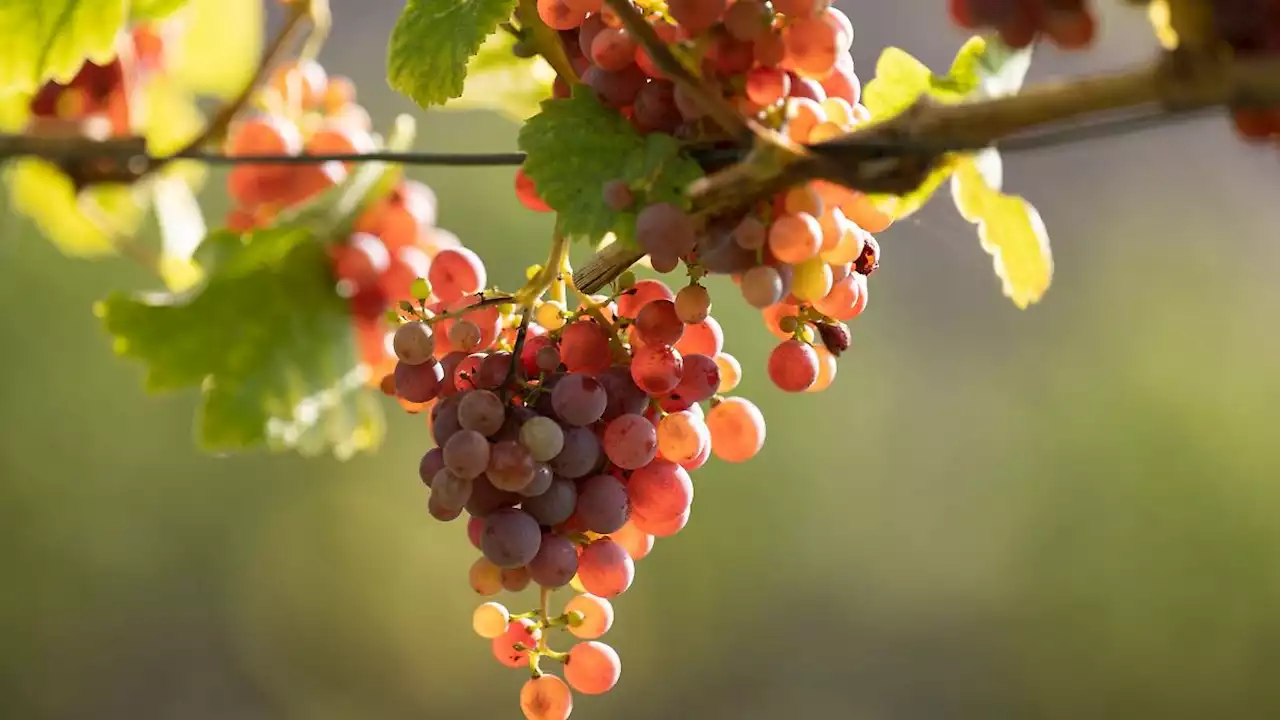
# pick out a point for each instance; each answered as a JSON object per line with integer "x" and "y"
{"x": 466, "y": 454}
{"x": 660, "y": 490}
{"x": 663, "y": 527}
{"x": 699, "y": 380}
{"x": 579, "y": 399}
{"x": 418, "y": 383}
{"x": 658, "y": 323}
{"x": 511, "y": 466}
{"x": 635, "y": 541}
{"x": 597, "y": 616}
{"x": 630, "y": 441}
{"x": 592, "y": 667}
{"x": 656, "y": 369}
{"x": 521, "y": 632}
{"x": 642, "y": 293}
{"x": 704, "y": 338}
{"x": 456, "y": 272}
{"x": 737, "y": 429}
{"x": 584, "y": 347}
{"x": 546, "y": 697}
{"x": 793, "y": 366}
{"x": 605, "y": 569}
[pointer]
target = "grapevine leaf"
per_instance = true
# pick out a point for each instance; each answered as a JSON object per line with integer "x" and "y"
{"x": 433, "y": 41}
{"x": 899, "y": 81}
{"x": 267, "y": 340}
{"x": 154, "y": 9}
{"x": 86, "y": 225}
{"x": 51, "y": 39}
{"x": 498, "y": 80}
{"x": 229, "y": 30}
{"x": 1009, "y": 229}
{"x": 576, "y": 145}
{"x": 1002, "y": 69}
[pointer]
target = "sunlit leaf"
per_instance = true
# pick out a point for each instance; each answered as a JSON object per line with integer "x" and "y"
{"x": 51, "y": 39}
{"x": 498, "y": 80}
{"x": 154, "y": 9}
{"x": 88, "y": 224}
{"x": 219, "y": 46}
{"x": 182, "y": 228}
{"x": 434, "y": 40}
{"x": 1009, "y": 229}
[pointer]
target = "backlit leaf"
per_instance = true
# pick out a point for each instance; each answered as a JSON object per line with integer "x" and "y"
{"x": 51, "y": 39}
{"x": 434, "y": 40}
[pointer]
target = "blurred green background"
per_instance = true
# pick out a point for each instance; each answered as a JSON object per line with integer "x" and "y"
{"x": 1068, "y": 512}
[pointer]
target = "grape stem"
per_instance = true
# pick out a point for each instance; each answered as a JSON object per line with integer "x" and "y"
{"x": 725, "y": 115}
{"x": 484, "y": 302}
{"x": 545, "y": 41}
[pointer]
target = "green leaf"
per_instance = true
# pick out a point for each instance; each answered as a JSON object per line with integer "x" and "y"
{"x": 268, "y": 341}
{"x": 218, "y": 48}
{"x": 432, "y": 42}
{"x": 154, "y": 9}
{"x": 498, "y": 80}
{"x": 576, "y": 145}
{"x": 1009, "y": 229}
{"x": 51, "y": 39}
{"x": 86, "y": 225}
{"x": 899, "y": 81}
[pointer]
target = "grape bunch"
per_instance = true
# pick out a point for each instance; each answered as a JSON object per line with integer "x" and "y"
{"x": 567, "y": 436}
{"x": 394, "y": 242}
{"x": 1251, "y": 28}
{"x": 1069, "y": 24}
{"x": 803, "y": 258}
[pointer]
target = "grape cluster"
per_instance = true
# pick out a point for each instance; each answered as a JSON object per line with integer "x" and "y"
{"x": 567, "y": 436}
{"x": 1251, "y": 28}
{"x": 1069, "y": 24}
{"x": 394, "y": 242}
{"x": 804, "y": 257}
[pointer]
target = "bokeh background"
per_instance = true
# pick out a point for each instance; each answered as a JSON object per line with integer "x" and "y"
{"x": 1068, "y": 512}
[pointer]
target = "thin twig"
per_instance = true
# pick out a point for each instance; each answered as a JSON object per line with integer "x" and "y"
{"x": 711, "y": 101}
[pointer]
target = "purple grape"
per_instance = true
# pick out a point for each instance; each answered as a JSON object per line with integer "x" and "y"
{"x": 555, "y": 505}
{"x": 451, "y": 490}
{"x": 467, "y": 454}
{"x": 485, "y": 498}
{"x": 510, "y": 538}
{"x": 440, "y": 512}
{"x": 432, "y": 462}
{"x": 444, "y": 419}
{"x": 418, "y": 383}
{"x": 579, "y": 399}
{"x": 556, "y": 562}
{"x": 602, "y": 504}
{"x": 510, "y": 466}
{"x": 542, "y": 477}
{"x": 580, "y": 455}
{"x": 482, "y": 411}
{"x": 624, "y": 396}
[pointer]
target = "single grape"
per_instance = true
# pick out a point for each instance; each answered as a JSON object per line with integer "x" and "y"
{"x": 704, "y": 338}
{"x": 581, "y": 454}
{"x": 419, "y": 383}
{"x": 605, "y": 569}
{"x": 485, "y": 577}
{"x": 550, "y": 315}
{"x": 826, "y": 370}
{"x": 556, "y": 562}
{"x": 546, "y": 697}
{"x": 541, "y": 482}
{"x": 490, "y": 619}
{"x": 486, "y": 498}
{"x": 444, "y": 420}
{"x": 730, "y": 372}
{"x": 439, "y": 511}
{"x": 511, "y": 538}
{"x": 481, "y": 411}
{"x": 543, "y": 438}
{"x": 654, "y": 111}
{"x": 699, "y": 380}
{"x": 640, "y": 294}
{"x": 467, "y": 372}
{"x": 450, "y": 490}
{"x": 766, "y": 85}
{"x": 466, "y": 454}
{"x": 596, "y": 616}
{"x": 592, "y": 667}
{"x": 625, "y": 397}
{"x": 793, "y": 366}
{"x": 558, "y": 14}
{"x": 579, "y": 399}
{"x": 548, "y": 358}
{"x": 515, "y": 579}
{"x": 630, "y": 441}
{"x": 432, "y": 462}
{"x": 737, "y": 429}
{"x": 511, "y": 466}
{"x": 747, "y": 20}
{"x": 617, "y": 89}
{"x": 680, "y": 438}
{"x": 464, "y": 335}
{"x": 660, "y": 490}
{"x": 456, "y": 272}
{"x": 693, "y": 304}
{"x": 584, "y": 347}
{"x": 812, "y": 280}
{"x": 812, "y": 45}
{"x": 696, "y": 16}
{"x": 512, "y": 646}
{"x": 413, "y": 344}
{"x": 602, "y": 504}
{"x": 665, "y": 229}
{"x": 659, "y": 323}
{"x": 555, "y": 505}
{"x": 656, "y": 369}
{"x": 613, "y": 49}
{"x": 494, "y": 370}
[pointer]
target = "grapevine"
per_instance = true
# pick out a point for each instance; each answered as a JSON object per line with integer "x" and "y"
{"x": 567, "y": 416}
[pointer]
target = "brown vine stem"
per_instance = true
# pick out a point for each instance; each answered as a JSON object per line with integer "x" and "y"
{"x": 896, "y": 155}
{"x": 720, "y": 110}
{"x": 546, "y": 42}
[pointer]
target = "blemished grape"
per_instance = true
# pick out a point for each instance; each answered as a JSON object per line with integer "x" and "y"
{"x": 584, "y": 347}
{"x": 490, "y": 619}
{"x": 543, "y": 438}
{"x": 511, "y": 538}
{"x": 597, "y": 616}
{"x": 466, "y": 454}
{"x": 699, "y": 380}
{"x": 510, "y": 648}
{"x": 432, "y": 462}
{"x": 737, "y": 429}
{"x": 581, "y": 454}
{"x": 413, "y": 344}
{"x": 664, "y": 229}
{"x": 451, "y": 490}
{"x": 418, "y": 383}
{"x": 605, "y": 569}
{"x": 555, "y": 505}
{"x": 630, "y": 441}
{"x": 656, "y": 369}
{"x": 465, "y": 335}
{"x": 602, "y": 504}
{"x": 542, "y": 477}
{"x": 556, "y": 562}
{"x": 793, "y": 366}
{"x": 485, "y": 577}
{"x": 592, "y": 667}
{"x": 579, "y": 399}
{"x": 515, "y": 579}
{"x": 635, "y": 541}
{"x": 511, "y": 466}
{"x": 481, "y": 411}
{"x": 693, "y": 304}
{"x": 659, "y": 323}
{"x": 546, "y": 697}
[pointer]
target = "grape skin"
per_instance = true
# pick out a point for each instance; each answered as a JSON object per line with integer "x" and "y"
{"x": 555, "y": 505}
{"x": 597, "y": 616}
{"x": 630, "y": 441}
{"x": 660, "y": 490}
{"x": 556, "y": 562}
{"x": 490, "y": 620}
{"x": 592, "y": 668}
{"x": 602, "y": 504}
{"x": 605, "y": 569}
{"x": 521, "y": 632}
{"x": 511, "y": 538}
{"x": 546, "y": 697}
{"x": 579, "y": 399}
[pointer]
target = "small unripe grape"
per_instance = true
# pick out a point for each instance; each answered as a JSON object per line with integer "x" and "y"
{"x": 490, "y": 620}
{"x": 550, "y": 315}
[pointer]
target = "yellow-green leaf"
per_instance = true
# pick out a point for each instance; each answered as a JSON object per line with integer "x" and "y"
{"x": 434, "y": 40}
{"x": 51, "y": 39}
{"x": 1009, "y": 229}
{"x": 85, "y": 225}
{"x": 901, "y": 206}
{"x": 498, "y": 80}
{"x": 219, "y": 46}
{"x": 899, "y": 81}
{"x": 154, "y": 9}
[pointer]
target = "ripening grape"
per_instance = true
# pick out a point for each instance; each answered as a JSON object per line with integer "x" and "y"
{"x": 464, "y": 335}
{"x": 696, "y": 16}
{"x": 592, "y": 667}
{"x": 602, "y": 504}
{"x": 704, "y": 338}
{"x": 613, "y": 49}
{"x": 812, "y": 280}
{"x": 680, "y": 438}
{"x": 466, "y": 453}
{"x": 661, "y": 489}
{"x": 812, "y": 45}
{"x": 826, "y": 370}
{"x": 419, "y": 383}
{"x": 794, "y": 238}
{"x": 659, "y": 323}
{"x": 793, "y": 366}
{"x": 263, "y": 134}
{"x": 485, "y": 577}
{"x": 543, "y": 438}
{"x": 511, "y": 647}
{"x": 432, "y": 462}
{"x": 490, "y": 619}
{"x": 616, "y": 89}
{"x": 511, "y": 466}
{"x": 630, "y": 441}
{"x": 546, "y": 697}
{"x": 730, "y": 372}
{"x": 412, "y": 343}
{"x": 664, "y": 229}
{"x": 640, "y": 294}
{"x": 541, "y": 482}
{"x": 656, "y": 369}
{"x": 693, "y": 304}
{"x": 486, "y": 498}
{"x": 605, "y": 569}
{"x": 482, "y": 411}
{"x": 584, "y": 347}
{"x": 737, "y": 429}
{"x": 664, "y": 527}
{"x": 515, "y": 579}
{"x": 761, "y": 286}
{"x": 618, "y": 195}
{"x": 555, "y": 505}
{"x": 579, "y": 399}
{"x": 444, "y": 420}
{"x": 635, "y": 541}
{"x": 556, "y": 562}
{"x": 698, "y": 381}
{"x": 456, "y": 272}
{"x": 597, "y": 616}
{"x": 558, "y": 15}
{"x": 511, "y": 538}
{"x": 581, "y": 454}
